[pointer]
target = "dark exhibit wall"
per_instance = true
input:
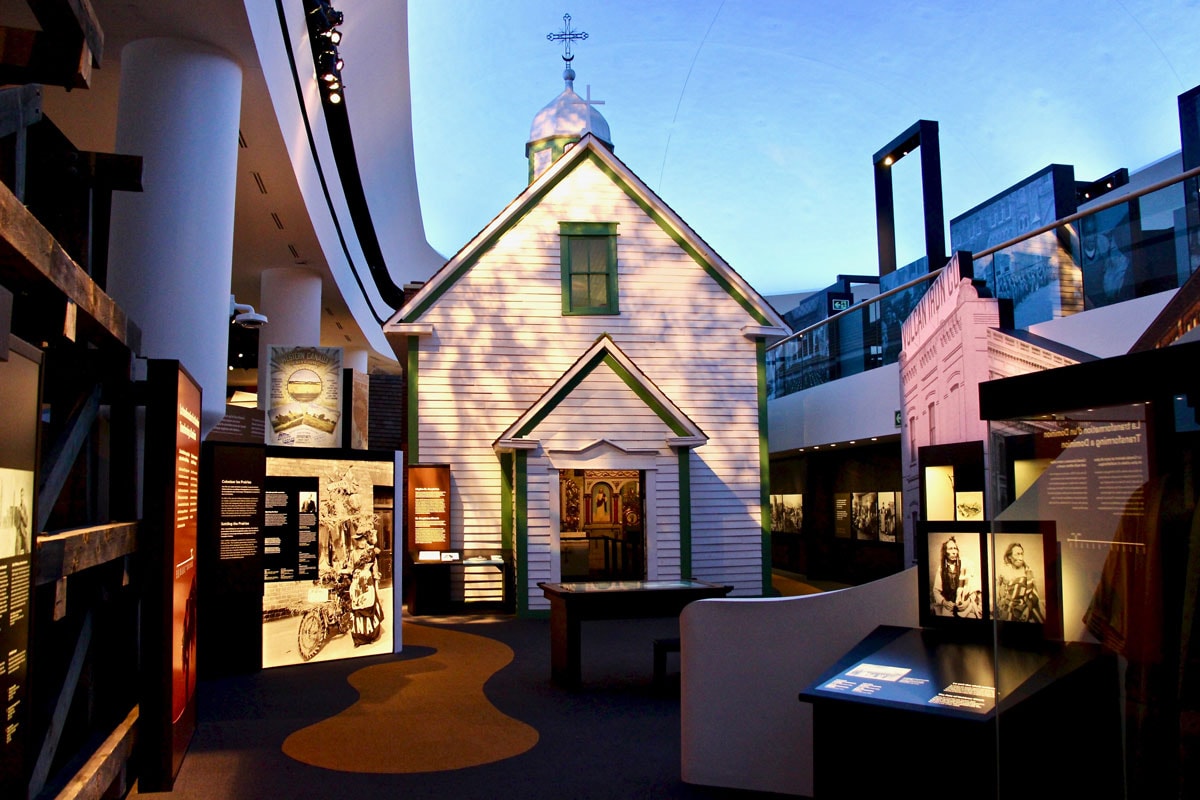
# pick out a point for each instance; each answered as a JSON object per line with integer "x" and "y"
{"x": 851, "y": 529}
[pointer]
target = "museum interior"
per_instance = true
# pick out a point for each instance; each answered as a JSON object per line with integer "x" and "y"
{"x": 344, "y": 537}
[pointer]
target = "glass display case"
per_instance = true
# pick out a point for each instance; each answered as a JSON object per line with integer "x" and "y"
{"x": 1096, "y": 539}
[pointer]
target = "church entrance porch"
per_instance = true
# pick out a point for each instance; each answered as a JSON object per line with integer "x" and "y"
{"x": 602, "y": 524}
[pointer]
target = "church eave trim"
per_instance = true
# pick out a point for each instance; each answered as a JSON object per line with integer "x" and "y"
{"x": 592, "y": 147}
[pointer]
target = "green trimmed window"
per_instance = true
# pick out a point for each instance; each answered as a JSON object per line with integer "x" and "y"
{"x": 589, "y": 267}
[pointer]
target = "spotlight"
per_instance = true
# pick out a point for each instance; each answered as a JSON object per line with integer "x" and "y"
{"x": 325, "y": 17}
{"x": 328, "y": 63}
{"x": 335, "y": 97}
{"x": 334, "y": 36}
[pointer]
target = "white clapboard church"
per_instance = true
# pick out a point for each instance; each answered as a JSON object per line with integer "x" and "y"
{"x": 593, "y": 374}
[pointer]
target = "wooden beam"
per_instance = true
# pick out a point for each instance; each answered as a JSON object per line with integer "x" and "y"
{"x": 41, "y": 770}
{"x": 67, "y": 552}
{"x": 37, "y": 57}
{"x": 20, "y": 107}
{"x": 70, "y": 18}
{"x": 106, "y": 766}
{"x": 60, "y": 458}
{"x": 31, "y": 258}
{"x": 63, "y": 53}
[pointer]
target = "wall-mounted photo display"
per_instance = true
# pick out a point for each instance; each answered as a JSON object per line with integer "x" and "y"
{"x": 864, "y": 515}
{"x": 890, "y": 524}
{"x": 953, "y": 574}
{"x": 952, "y": 482}
{"x": 787, "y": 513}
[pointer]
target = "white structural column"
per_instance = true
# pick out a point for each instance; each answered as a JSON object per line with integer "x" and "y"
{"x": 355, "y": 358}
{"x": 290, "y": 297}
{"x": 171, "y": 255}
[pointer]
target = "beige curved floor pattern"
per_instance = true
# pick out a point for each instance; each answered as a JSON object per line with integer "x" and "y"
{"x": 421, "y": 715}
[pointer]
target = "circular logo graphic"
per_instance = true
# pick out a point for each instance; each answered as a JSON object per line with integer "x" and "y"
{"x": 304, "y": 386}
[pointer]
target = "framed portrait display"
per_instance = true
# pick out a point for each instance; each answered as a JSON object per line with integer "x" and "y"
{"x": 1025, "y": 597}
{"x": 984, "y": 573}
{"x": 953, "y": 574}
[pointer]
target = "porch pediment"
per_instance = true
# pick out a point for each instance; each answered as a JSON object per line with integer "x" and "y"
{"x": 577, "y": 399}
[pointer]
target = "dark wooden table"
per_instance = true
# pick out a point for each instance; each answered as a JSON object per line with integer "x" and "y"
{"x": 573, "y": 603}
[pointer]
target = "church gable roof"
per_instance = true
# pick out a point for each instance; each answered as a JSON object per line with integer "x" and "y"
{"x": 589, "y": 150}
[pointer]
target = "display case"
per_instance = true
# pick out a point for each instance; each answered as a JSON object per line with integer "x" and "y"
{"x": 1101, "y": 457}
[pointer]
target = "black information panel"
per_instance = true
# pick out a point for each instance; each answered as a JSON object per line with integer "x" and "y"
{"x": 230, "y": 551}
{"x": 20, "y": 382}
{"x": 290, "y": 535}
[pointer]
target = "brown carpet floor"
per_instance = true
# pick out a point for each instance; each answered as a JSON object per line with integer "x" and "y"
{"x": 467, "y": 710}
{"x": 435, "y": 704}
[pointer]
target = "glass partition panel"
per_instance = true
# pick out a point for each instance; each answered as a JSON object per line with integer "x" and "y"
{"x": 863, "y": 338}
{"x": 1081, "y": 576}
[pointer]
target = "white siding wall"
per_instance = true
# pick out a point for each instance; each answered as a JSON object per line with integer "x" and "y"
{"x": 500, "y": 340}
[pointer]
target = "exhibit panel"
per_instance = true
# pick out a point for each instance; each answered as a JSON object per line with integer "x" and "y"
{"x": 20, "y": 396}
{"x": 327, "y": 576}
{"x": 168, "y": 541}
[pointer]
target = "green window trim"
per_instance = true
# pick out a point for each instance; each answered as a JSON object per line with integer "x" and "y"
{"x": 588, "y": 255}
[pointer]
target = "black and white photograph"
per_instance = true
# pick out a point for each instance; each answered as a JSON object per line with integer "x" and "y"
{"x": 787, "y": 513}
{"x": 1020, "y": 584}
{"x": 968, "y": 506}
{"x": 955, "y": 584}
{"x": 889, "y": 520}
{"x": 345, "y": 610}
{"x": 864, "y": 515}
{"x": 16, "y": 512}
{"x": 1107, "y": 257}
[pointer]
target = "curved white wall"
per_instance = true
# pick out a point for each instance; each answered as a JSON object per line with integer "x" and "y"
{"x": 743, "y": 663}
{"x": 856, "y": 407}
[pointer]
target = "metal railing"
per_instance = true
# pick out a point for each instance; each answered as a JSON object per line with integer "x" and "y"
{"x": 1131, "y": 246}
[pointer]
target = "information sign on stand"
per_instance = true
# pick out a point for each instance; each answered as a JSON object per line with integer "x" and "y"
{"x": 428, "y": 507}
{"x": 20, "y": 384}
{"x": 167, "y": 715}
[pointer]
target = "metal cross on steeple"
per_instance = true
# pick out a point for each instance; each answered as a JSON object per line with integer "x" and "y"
{"x": 566, "y": 36}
